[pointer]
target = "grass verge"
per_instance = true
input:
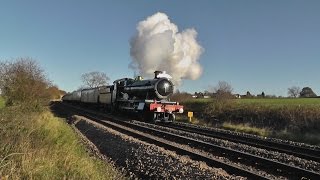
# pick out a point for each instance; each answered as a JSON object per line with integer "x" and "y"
{"x": 246, "y": 128}
{"x": 308, "y": 137}
{"x": 2, "y": 102}
{"x": 296, "y": 119}
{"x": 41, "y": 146}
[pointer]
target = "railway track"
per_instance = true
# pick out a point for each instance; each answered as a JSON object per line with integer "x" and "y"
{"x": 298, "y": 151}
{"x": 270, "y": 166}
{"x": 155, "y": 136}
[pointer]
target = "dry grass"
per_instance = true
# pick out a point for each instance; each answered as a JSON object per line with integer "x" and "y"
{"x": 307, "y": 137}
{"x": 41, "y": 146}
{"x": 2, "y": 102}
{"x": 311, "y": 137}
{"x": 246, "y": 128}
{"x": 294, "y": 119}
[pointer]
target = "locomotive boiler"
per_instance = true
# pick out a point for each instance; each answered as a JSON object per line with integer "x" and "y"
{"x": 158, "y": 88}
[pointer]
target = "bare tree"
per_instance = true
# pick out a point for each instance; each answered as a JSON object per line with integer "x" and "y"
{"x": 223, "y": 90}
{"x": 181, "y": 96}
{"x": 55, "y": 93}
{"x": 223, "y": 98}
{"x": 23, "y": 81}
{"x": 94, "y": 79}
{"x": 294, "y": 91}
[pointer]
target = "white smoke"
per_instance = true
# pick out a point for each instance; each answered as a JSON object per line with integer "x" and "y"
{"x": 159, "y": 46}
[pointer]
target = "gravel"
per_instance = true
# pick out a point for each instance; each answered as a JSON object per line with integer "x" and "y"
{"x": 273, "y": 155}
{"x": 254, "y": 136}
{"x": 141, "y": 160}
{"x": 138, "y": 156}
{"x": 95, "y": 152}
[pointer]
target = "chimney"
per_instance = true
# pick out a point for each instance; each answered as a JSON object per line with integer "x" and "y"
{"x": 156, "y": 73}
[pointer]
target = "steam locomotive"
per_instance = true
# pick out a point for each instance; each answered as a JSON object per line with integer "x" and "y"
{"x": 149, "y": 98}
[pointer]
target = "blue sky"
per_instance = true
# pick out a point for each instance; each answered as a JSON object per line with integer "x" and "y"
{"x": 254, "y": 45}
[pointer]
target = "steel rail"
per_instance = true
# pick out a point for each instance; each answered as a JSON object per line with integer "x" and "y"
{"x": 302, "y": 152}
{"x": 122, "y": 127}
{"x": 193, "y": 155}
{"x": 270, "y": 165}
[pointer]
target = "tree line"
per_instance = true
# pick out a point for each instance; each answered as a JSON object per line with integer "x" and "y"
{"x": 23, "y": 81}
{"x": 224, "y": 90}
{"x": 305, "y": 92}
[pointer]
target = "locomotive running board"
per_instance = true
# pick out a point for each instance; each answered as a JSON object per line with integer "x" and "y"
{"x": 161, "y": 102}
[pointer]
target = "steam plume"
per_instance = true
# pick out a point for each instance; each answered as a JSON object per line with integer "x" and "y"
{"x": 159, "y": 46}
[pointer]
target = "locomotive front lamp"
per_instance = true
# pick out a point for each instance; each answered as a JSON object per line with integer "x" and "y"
{"x": 159, "y": 109}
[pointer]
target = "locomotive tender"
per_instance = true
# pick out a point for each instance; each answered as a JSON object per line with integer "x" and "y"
{"x": 149, "y": 98}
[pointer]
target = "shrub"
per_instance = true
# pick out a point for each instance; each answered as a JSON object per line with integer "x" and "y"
{"x": 22, "y": 81}
{"x": 294, "y": 118}
{"x": 183, "y": 96}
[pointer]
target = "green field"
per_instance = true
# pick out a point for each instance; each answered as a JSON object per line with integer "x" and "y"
{"x": 267, "y": 101}
{"x": 281, "y": 102}
{"x": 199, "y": 104}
